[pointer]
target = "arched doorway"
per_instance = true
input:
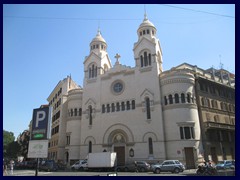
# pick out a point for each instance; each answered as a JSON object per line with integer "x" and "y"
{"x": 119, "y": 147}
{"x": 118, "y": 138}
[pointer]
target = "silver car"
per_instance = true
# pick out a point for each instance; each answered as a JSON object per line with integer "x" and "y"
{"x": 173, "y": 166}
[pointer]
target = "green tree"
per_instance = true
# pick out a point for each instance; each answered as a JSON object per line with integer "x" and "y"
{"x": 8, "y": 138}
{"x": 23, "y": 141}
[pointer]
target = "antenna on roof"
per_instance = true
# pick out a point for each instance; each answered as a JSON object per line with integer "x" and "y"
{"x": 145, "y": 12}
{"x": 98, "y": 31}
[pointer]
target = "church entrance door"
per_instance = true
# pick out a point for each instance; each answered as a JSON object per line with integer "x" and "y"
{"x": 120, "y": 150}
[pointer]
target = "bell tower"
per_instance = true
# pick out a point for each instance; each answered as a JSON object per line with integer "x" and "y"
{"x": 147, "y": 50}
{"x": 97, "y": 62}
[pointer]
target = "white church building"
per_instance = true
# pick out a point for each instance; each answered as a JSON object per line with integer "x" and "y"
{"x": 140, "y": 112}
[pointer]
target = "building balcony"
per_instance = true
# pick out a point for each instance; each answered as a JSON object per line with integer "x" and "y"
{"x": 214, "y": 125}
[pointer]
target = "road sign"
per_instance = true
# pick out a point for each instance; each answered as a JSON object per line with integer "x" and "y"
{"x": 41, "y": 123}
{"x": 38, "y": 149}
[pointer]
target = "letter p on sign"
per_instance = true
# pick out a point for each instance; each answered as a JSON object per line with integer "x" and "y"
{"x": 40, "y": 117}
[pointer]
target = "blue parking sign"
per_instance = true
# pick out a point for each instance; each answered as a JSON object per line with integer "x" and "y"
{"x": 41, "y": 124}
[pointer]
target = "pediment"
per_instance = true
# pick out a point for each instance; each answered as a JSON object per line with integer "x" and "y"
{"x": 91, "y": 56}
{"x": 91, "y": 102}
{"x": 142, "y": 41}
{"x": 147, "y": 93}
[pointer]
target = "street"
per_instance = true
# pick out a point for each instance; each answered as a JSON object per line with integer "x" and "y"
{"x": 191, "y": 172}
{"x": 76, "y": 173}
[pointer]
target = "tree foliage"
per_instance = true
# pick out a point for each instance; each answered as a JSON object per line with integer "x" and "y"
{"x": 12, "y": 149}
{"x": 8, "y": 138}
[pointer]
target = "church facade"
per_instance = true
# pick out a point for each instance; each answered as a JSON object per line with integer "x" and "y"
{"x": 140, "y": 112}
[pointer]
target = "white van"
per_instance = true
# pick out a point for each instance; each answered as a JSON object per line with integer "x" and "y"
{"x": 79, "y": 165}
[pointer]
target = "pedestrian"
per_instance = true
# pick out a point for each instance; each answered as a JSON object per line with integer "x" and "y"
{"x": 5, "y": 173}
{"x": 11, "y": 167}
{"x": 136, "y": 167}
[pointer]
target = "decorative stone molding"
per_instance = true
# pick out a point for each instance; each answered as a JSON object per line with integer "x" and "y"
{"x": 177, "y": 80}
{"x": 179, "y": 106}
{"x": 145, "y": 69}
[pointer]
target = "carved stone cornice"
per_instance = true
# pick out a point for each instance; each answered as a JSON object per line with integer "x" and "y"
{"x": 177, "y": 80}
{"x": 179, "y": 106}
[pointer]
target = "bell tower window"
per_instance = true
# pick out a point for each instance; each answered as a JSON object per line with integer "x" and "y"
{"x": 92, "y": 71}
{"x": 145, "y": 59}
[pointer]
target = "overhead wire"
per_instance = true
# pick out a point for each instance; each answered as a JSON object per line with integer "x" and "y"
{"x": 117, "y": 19}
{"x": 199, "y": 11}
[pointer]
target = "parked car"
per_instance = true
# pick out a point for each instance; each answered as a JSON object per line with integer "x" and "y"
{"x": 173, "y": 166}
{"x": 225, "y": 164}
{"x": 142, "y": 166}
{"x": 79, "y": 165}
{"x": 48, "y": 165}
{"x": 25, "y": 165}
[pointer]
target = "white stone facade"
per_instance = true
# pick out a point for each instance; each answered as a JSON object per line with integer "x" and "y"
{"x": 129, "y": 109}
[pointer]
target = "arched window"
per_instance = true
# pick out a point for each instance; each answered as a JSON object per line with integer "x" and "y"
{"x": 170, "y": 99}
{"x": 176, "y": 97}
{"x": 95, "y": 72}
{"x": 71, "y": 112}
{"x": 75, "y": 112}
{"x": 188, "y": 98}
{"x": 108, "y": 108}
{"x": 118, "y": 106}
{"x": 149, "y": 59}
{"x": 89, "y": 73}
{"x": 123, "y": 106}
{"x": 92, "y": 71}
{"x": 165, "y": 100}
{"x": 103, "y": 108}
{"x": 141, "y": 60}
{"x": 145, "y": 59}
{"x": 89, "y": 146}
{"x": 150, "y": 146}
{"x": 113, "y": 107}
{"x": 183, "y": 98}
{"x": 147, "y": 103}
{"x": 93, "y": 68}
{"x": 90, "y": 115}
{"x": 80, "y": 112}
{"x": 133, "y": 104}
{"x": 128, "y": 105}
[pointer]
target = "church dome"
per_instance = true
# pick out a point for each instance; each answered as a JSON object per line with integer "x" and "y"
{"x": 98, "y": 43}
{"x": 98, "y": 38}
{"x": 146, "y": 23}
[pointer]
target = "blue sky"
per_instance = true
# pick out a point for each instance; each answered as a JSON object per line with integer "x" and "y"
{"x": 42, "y": 44}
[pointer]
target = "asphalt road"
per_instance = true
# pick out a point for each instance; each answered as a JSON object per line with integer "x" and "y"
{"x": 191, "y": 172}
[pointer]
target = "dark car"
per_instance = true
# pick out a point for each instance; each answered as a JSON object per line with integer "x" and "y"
{"x": 48, "y": 165}
{"x": 173, "y": 166}
{"x": 141, "y": 166}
